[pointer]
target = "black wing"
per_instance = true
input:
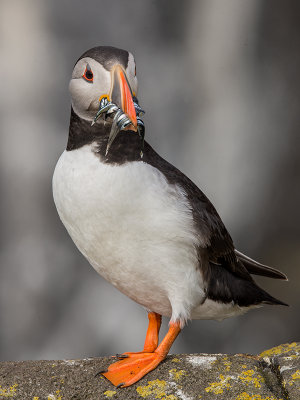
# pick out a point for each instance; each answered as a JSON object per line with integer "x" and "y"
{"x": 219, "y": 245}
{"x": 226, "y": 271}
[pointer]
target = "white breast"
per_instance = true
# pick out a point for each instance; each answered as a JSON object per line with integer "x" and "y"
{"x": 137, "y": 231}
{"x": 134, "y": 228}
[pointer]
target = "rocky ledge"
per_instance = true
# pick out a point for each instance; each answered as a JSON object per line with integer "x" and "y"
{"x": 272, "y": 375}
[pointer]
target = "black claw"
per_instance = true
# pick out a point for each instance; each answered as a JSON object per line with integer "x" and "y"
{"x": 120, "y": 385}
{"x": 100, "y": 372}
{"x": 121, "y": 356}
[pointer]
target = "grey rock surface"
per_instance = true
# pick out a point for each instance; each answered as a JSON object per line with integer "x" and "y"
{"x": 272, "y": 375}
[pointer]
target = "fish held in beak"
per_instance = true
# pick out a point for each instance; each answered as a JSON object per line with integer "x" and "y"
{"x": 121, "y": 105}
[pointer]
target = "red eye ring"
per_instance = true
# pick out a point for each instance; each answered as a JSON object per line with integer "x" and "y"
{"x": 88, "y": 74}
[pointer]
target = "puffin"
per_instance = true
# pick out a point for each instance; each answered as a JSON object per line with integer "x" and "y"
{"x": 141, "y": 223}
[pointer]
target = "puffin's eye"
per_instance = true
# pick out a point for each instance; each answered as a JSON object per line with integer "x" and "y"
{"x": 88, "y": 74}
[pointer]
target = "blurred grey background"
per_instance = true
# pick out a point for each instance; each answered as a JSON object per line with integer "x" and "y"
{"x": 220, "y": 84}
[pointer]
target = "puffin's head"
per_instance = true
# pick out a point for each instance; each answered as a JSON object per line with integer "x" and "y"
{"x": 104, "y": 73}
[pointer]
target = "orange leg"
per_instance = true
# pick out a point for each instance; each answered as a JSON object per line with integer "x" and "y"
{"x": 151, "y": 341}
{"x": 136, "y": 365}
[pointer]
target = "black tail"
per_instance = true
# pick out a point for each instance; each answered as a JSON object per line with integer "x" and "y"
{"x": 271, "y": 300}
{"x": 255, "y": 268}
{"x": 225, "y": 286}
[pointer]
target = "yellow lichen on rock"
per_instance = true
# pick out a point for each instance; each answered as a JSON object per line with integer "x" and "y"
{"x": 218, "y": 387}
{"x": 282, "y": 349}
{"x": 156, "y": 389}
{"x": 56, "y": 396}
{"x": 177, "y": 374}
{"x": 8, "y": 392}
{"x": 109, "y": 393}
{"x": 225, "y": 362}
{"x": 247, "y": 396}
{"x": 250, "y": 377}
{"x": 294, "y": 377}
{"x": 227, "y": 365}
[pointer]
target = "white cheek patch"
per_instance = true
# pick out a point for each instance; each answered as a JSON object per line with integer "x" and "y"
{"x": 85, "y": 95}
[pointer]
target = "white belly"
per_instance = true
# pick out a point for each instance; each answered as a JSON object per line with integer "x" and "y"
{"x": 137, "y": 231}
{"x": 134, "y": 228}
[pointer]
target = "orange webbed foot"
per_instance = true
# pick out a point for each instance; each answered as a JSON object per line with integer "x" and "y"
{"x": 132, "y": 368}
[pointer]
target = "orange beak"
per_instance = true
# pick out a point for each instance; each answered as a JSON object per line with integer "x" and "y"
{"x": 121, "y": 94}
